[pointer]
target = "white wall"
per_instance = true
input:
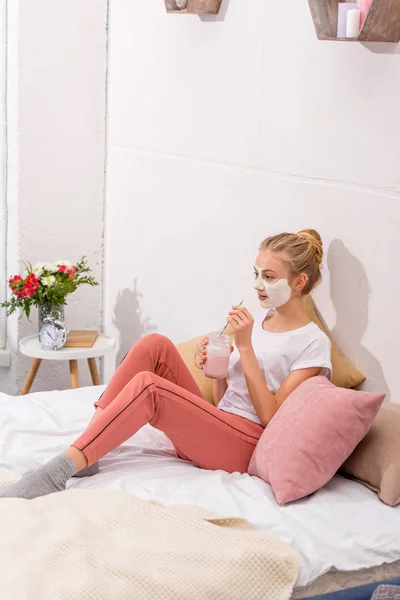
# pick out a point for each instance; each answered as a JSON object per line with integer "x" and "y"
{"x": 8, "y": 376}
{"x": 57, "y": 190}
{"x": 225, "y": 130}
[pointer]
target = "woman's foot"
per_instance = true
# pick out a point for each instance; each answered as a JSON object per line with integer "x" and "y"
{"x": 50, "y": 478}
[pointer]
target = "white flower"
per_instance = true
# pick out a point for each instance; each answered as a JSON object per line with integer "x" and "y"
{"x": 51, "y": 268}
{"x": 38, "y": 269}
{"x": 48, "y": 281}
{"x": 63, "y": 263}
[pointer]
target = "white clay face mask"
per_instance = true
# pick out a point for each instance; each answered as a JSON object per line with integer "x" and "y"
{"x": 278, "y": 293}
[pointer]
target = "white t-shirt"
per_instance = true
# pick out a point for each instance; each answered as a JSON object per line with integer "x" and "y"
{"x": 277, "y": 354}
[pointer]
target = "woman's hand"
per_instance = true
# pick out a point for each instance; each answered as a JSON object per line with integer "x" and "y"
{"x": 242, "y": 323}
{"x": 201, "y": 353}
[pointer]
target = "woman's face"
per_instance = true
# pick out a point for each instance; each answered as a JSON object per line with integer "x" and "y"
{"x": 272, "y": 279}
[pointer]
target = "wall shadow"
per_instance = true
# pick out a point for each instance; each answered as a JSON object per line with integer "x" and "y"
{"x": 350, "y": 292}
{"x": 382, "y": 47}
{"x": 129, "y": 320}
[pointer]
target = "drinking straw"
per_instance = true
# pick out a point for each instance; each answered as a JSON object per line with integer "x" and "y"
{"x": 227, "y": 323}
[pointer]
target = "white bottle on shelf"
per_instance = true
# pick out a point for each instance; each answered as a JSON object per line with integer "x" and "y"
{"x": 343, "y": 9}
{"x": 353, "y": 24}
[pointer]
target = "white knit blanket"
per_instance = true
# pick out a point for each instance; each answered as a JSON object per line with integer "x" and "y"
{"x": 99, "y": 544}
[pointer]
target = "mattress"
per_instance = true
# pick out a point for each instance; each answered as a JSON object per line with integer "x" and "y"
{"x": 343, "y": 534}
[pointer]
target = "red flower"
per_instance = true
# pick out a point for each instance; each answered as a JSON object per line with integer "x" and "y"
{"x": 63, "y": 269}
{"x": 24, "y": 293}
{"x": 72, "y": 272}
{"x": 27, "y": 292}
{"x": 32, "y": 281}
{"x": 14, "y": 281}
{"x": 30, "y": 287}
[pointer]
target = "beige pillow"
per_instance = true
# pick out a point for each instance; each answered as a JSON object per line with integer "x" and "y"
{"x": 343, "y": 372}
{"x": 376, "y": 460}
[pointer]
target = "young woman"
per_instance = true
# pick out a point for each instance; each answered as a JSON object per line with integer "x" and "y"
{"x": 272, "y": 356}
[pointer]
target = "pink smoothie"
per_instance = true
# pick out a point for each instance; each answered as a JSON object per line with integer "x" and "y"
{"x": 217, "y": 363}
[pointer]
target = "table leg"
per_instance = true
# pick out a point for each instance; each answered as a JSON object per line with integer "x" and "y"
{"x": 93, "y": 371}
{"x": 73, "y": 371}
{"x": 31, "y": 376}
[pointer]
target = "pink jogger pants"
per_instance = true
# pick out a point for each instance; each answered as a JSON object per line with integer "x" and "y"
{"x": 153, "y": 385}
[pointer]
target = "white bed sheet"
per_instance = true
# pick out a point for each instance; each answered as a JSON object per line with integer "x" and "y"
{"x": 343, "y": 526}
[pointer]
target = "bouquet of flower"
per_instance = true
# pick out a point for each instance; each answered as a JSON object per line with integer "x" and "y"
{"x": 47, "y": 283}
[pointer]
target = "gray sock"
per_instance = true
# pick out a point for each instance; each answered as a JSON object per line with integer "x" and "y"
{"x": 88, "y": 471}
{"x": 52, "y": 477}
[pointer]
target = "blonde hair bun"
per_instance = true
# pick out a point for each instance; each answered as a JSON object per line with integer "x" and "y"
{"x": 315, "y": 242}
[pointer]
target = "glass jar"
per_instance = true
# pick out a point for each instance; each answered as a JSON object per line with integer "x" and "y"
{"x": 218, "y": 352}
{"x": 50, "y": 312}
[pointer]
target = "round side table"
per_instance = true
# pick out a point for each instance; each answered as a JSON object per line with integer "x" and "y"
{"x": 30, "y": 346}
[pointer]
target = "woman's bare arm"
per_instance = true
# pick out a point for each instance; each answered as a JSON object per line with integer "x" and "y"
{"x": 264, "y": 401}
{"x": 219, "y": 388}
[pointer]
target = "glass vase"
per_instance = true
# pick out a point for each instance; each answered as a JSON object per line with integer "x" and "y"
{"x": 48, "y": 310}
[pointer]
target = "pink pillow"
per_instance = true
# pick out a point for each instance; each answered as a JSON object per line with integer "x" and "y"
{"x": 312, "y": 434}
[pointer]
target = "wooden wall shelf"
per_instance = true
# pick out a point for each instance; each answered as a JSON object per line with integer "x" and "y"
{"x": 382, "y": 23}
{"x": 195, "y": 7}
